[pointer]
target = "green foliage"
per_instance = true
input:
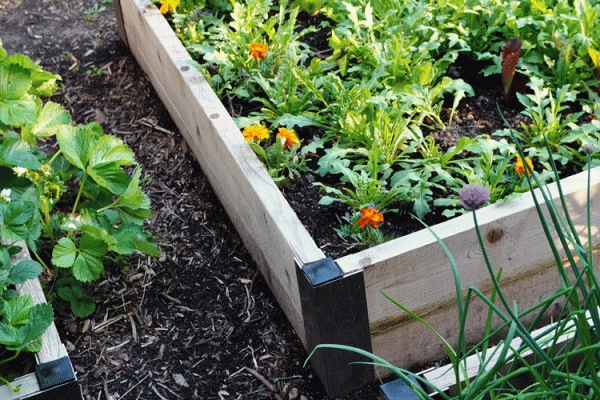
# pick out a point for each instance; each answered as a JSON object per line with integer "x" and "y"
{"x": 387, "y": 79}
{"x": 542, "y": 356}
{"x": 283, "y": 161}
{"x": 22, "y": 322}
{"x": 81, "y": 199}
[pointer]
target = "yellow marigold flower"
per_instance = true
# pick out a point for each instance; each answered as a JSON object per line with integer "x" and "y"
{"x": 258, "y": 50}
{"x": 520, "y": 167}
{"x": 168, "y": 5}
{"x": 370, "y": 216}
{"x": 290, "y": 137}
{"x": 255, "y": 132}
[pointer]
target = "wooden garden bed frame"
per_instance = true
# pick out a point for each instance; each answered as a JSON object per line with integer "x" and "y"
{"x": 54, "y": 377}
{"x": 339, "y": 301}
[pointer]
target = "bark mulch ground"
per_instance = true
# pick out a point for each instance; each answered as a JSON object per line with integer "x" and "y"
{"x": 200, "y": 322}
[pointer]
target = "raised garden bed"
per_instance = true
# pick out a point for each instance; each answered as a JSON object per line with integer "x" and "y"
{"x": 338, "y": 301}
{"x": 54, "y": 377}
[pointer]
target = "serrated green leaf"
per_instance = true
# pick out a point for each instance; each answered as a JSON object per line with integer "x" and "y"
{"x": 131, "y": 216}
{"x": 111, "y": 176}
{"x": 17, "y": 107}
{"x": 16, "y": 311}
{"x": 17, "y": 152}
{"x": 133, "y": 197}
{"x": 20, "y": 63}
{"x": 75, "y": 143}
{"x": 43, "y": 83}
{"x": 34, "y": 229}
{"x": 83, "y": 306}
{"x": 34, "y": 347}
{"x": 87, "y": 266}
{"x": 64, "y": 253}
{"x": 142, "y": 244}
{"x": 110, "y": 149}
{"x": 92, "y": 246}
{"x": 25, "y": 270}
{"x": 40, "y": 318}
{"x": 8, "y": 335}
{"x": 13, "y": 219}
{"x": 51, "y": 118}
{"x": 124, "y": 235}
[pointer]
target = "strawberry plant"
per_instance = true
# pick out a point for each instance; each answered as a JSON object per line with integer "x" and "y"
{"x": 23, "y": 322}
{"x": 77, "y": 207}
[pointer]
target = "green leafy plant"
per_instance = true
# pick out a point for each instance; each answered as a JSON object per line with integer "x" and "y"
{"x": 549, "y": 366}
{"x": 391, "y": 75}
{"x": 74, "y": 208}
{"x": 92, "y": 11}
{"x": 363, "y": 227}
{"x": 310, "y": 6}
{"x": 23, "y": 322}
{"x": 283, "y": 158}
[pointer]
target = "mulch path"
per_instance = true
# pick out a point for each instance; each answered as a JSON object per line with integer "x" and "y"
{"x": 200, "y": 322}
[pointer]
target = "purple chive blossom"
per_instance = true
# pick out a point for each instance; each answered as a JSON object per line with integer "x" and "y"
{"x": 588, "y": 148}
{"x": 474, "y": 196}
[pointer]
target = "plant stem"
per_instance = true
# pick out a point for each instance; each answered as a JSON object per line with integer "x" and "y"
{"x": 79, "y": 194}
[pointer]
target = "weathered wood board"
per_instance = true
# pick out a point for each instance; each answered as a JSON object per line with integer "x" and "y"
{"x": 268, "y": 226}
{"x": 413, "y": 269}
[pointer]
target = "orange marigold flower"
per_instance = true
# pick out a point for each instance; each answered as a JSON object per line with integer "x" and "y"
{"x": 290, "y": 137}
{"x": 258, "y": 50}
{"x": 520, "y": 167}
{"x": 255, "y": 132}
{"x": 168, "y": 5}
{"x": 370, "y": 216}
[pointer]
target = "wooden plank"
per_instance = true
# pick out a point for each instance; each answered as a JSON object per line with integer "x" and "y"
{"x": 415, "y": 271}
{"x": 52, "y": 348}
{"x": 29, "y": 385}
{"x": 444, "y": 378}
{"x": 268, "y": 226}
{"x": 410, "y": 344}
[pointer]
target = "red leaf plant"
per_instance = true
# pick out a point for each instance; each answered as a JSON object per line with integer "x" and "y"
{"x": 510, "y": 58}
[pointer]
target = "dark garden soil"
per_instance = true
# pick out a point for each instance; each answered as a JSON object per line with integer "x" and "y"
{"x": 200, "y": 322}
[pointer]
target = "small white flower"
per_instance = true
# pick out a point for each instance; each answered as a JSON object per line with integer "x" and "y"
{"x": 46, "y": 169}
{"x": 20, "y": 171}
{"x": 5, "y": 195}
{"x": 72, "y": 224}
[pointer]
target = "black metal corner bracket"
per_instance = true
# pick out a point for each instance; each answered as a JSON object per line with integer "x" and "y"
{"x": 398, "y": 390}
{"x": 57, "y": 381}
{"x": 334, "y": 309}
